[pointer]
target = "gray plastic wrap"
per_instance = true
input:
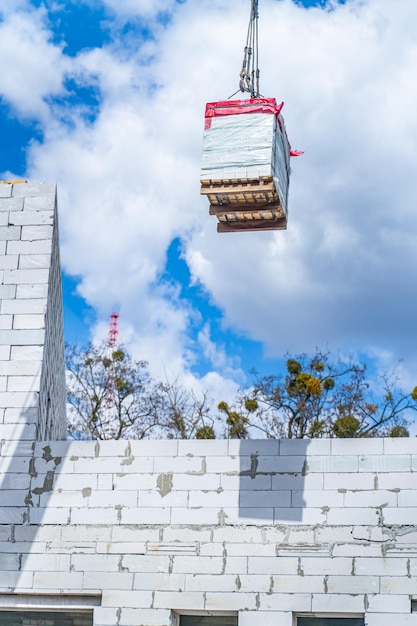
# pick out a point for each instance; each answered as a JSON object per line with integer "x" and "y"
{"x": 247, "y": 146}
{"x": 281, "y": 161}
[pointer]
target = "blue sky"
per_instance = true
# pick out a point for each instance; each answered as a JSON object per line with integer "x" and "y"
{"x": 107, "y": 98}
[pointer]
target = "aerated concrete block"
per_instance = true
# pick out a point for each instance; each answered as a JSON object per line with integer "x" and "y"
{"x": 34, "y": 189}
{"x": 11, "y": 204}
{"x": 10, "y": 233}
{"x": 5, "y": 192}
{"x": 31, "y": 218}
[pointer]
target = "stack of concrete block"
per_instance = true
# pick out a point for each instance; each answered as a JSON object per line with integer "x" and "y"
{"x": 246, "y": 164}
{"x": 32, "y": 371}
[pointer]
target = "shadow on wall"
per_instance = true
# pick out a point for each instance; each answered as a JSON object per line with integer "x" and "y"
{"x": 272, "y": 480}
{"x": 28, "y": 473}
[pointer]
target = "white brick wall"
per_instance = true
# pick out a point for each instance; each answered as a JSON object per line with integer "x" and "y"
{"x": 31, "y": 327}
{"x": 75, "y": 519}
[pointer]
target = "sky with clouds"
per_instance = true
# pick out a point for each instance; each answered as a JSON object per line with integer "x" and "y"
{"x": 107, "y": 98}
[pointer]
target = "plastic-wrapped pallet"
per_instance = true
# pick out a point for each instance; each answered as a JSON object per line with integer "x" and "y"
{"x": 246, "y": 164}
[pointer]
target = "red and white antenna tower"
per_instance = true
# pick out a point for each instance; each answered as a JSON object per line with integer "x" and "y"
{"x": 112, "y": 345}
{"x": 113, "y": 337}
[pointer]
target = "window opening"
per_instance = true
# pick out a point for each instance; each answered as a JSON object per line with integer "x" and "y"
{"x": 330, "y": 621}
{"x": 208, "y": 620}
{"x": 46, "y": 618}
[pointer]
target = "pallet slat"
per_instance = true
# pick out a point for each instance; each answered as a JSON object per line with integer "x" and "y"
{"x": 226, "y": 189}
{"x": 248, "y": 212}
{"x": 240, "y": 191}
{"x": 239, "y": 198}
{"x": 252, "y": 226}
{"x": 233, "y": 182}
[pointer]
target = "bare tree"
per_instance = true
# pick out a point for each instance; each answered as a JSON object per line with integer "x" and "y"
{"x": 318, "y": 397}
{"x": 112, "y": 396}
{"x": 185, "y": 415}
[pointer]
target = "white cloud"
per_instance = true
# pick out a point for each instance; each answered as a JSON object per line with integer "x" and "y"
{"x": 33, "y": 68}
{"x": 143, "y": 8}
{"x": 221, "y": 362}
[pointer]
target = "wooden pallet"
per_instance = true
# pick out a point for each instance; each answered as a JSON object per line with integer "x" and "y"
{"x": 251, "y": 226}
{"x": 268, "y": 217}
{"x": 240, "y": 190}
{"x": 244, "y": 213}
{"x": 13, "y": 182}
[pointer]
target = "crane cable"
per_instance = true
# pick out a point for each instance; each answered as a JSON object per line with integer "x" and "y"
{"x": 249, "y": 74}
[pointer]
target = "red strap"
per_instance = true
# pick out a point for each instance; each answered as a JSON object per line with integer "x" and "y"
{"x": 237, "y": 107}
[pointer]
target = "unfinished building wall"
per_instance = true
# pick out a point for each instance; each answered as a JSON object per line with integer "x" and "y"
{"x": 264, "y": 530}
{"x": 32, "y": 370}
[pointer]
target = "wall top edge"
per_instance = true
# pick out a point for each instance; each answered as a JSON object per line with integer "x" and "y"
{"x": 24, "y": 189}
{"x": 216, "y": 447}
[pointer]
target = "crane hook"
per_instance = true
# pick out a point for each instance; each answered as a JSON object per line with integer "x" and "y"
{"x": 249, "y": 74}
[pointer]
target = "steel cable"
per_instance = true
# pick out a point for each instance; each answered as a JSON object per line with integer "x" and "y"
{"x": 249, "y": 74}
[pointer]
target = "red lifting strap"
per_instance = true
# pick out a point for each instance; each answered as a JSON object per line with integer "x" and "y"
{"x": 237, "y": 107}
